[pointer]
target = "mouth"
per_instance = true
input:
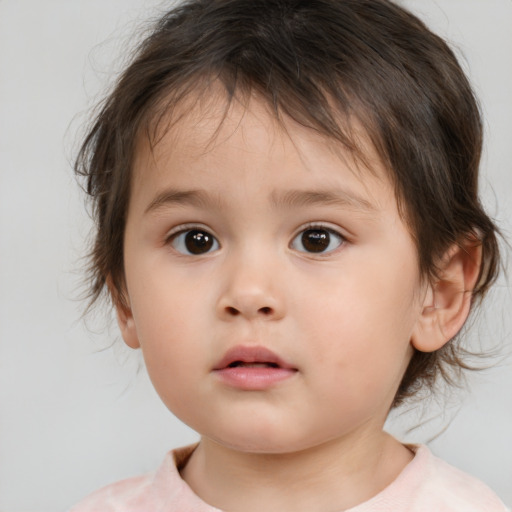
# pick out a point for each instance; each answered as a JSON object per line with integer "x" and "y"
{"x": 252, "y": 357}
{"x": 252, "y": 368}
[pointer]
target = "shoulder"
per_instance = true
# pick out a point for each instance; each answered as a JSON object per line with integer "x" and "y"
{"x": 428, "y": 484}
{"x": 160, "y": 491}
{"x": 125, "y": 495}
{"x": 446, "y": 488}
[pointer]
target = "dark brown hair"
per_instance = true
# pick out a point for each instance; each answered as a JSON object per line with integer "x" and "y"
{"x": 321, "y": 63}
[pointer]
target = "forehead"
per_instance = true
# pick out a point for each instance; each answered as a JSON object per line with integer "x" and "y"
{"x": 209, "y": 131}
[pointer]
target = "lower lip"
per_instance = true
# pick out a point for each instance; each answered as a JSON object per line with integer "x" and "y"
{"x": 254, "y": 379}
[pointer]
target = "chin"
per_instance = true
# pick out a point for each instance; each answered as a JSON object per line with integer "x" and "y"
{"x": 265, "y": 441}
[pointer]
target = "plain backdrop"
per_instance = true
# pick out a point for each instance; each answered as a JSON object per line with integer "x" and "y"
{"x": 76, "y": 409}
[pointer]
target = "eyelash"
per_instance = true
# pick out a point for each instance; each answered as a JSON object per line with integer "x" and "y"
{"x": 210, "y": 242}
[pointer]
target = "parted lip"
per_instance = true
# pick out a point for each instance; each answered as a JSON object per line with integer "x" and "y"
{"x": 251, "y": 354}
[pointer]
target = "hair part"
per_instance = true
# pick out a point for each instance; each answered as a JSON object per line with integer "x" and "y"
{"x": 321, "y": 63}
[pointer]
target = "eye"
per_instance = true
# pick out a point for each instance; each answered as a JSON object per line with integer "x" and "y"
{"x": 194, "y": 241}
{"x": 317, "y": 239}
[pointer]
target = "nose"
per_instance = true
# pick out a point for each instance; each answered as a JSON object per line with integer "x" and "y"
{"x": 251, "y": 291}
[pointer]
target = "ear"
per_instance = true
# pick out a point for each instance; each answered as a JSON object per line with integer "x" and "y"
{"x": 124, "y": 315}
{"x": 448, "y": 300}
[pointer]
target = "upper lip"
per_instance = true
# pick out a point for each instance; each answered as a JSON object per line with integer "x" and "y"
{"x": 251, "y": 354}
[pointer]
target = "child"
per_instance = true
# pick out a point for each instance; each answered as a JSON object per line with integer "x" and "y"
{"x": 289, "y": 228}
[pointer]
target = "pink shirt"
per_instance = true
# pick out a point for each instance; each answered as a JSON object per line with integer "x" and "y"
{"x": 427, "y": 484}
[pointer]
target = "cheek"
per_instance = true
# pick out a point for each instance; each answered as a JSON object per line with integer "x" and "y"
{"x": 162, "y": 311}
{"x": 362, "y": 330}
{"x": 162, "y": 295}
{"x": 170, "y": 347}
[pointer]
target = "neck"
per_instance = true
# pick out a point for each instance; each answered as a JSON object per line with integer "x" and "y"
{"x": 336, "y": 475}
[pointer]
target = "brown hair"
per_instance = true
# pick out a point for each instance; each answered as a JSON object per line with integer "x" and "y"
{"x": 321, "y": 63}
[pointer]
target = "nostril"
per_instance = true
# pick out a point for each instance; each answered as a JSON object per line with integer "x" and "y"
{"x": 265, "y": 311}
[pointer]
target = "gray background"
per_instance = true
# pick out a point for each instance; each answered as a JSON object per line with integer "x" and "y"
{"x": 75, "y": 410}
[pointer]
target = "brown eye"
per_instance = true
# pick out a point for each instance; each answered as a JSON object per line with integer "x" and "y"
{"x": 195, "y": 242}
{"x": 317, "y": 240}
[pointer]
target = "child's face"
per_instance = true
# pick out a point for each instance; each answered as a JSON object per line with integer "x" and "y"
{"x": 268, "y": 240}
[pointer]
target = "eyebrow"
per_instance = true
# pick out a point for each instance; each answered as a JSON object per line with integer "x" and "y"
{"x": 278, "y": 200}
{"x": 170, "y": 197}
{"x": 331, "y": 197}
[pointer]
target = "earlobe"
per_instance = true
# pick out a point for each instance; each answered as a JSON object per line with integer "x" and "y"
{"x": 127, "y": 326}
{"x": 448, "y": 300}
{"x": 124, "y": 316}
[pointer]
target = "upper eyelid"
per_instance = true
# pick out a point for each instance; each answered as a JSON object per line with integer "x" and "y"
{"x": 188, "y": 226}
{"x": 321, "y": 225}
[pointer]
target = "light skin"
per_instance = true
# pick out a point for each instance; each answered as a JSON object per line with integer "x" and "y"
{"x": 344, "y": 316}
